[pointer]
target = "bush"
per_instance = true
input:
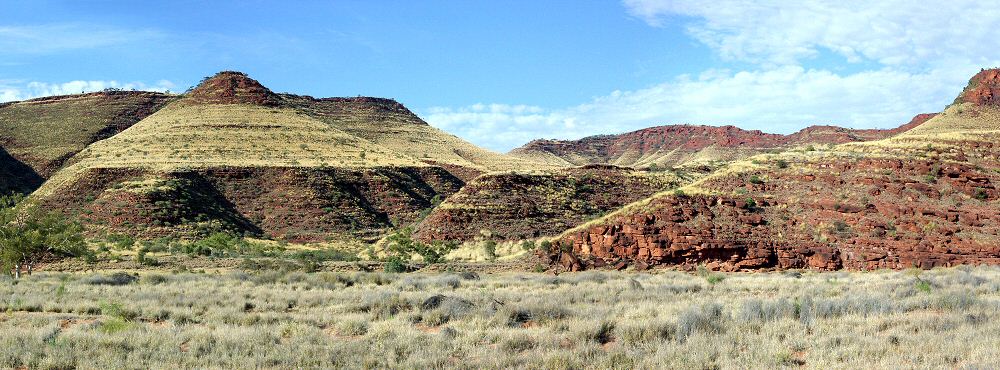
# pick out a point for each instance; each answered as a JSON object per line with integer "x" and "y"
{"x": 755, "y": 311}
{"x": 710, "y": 277}
{"x": 706, "y": 318}
{"x": 756, "y": 180}
{"x": 402, "y": 245}
{"x": 395, "y": 264}
{"x": 545, "y": 246}
{"x": 528, "y": 245}
{"x": 154, "y": 279}
{"x": 27, "y": 233}
{"x": 981, "y": 194}
{"x": 142, "y": 259}
{"x": 223, "y": 244}
{"x": 116, "y": 279}
{"x": 490, "y": 249}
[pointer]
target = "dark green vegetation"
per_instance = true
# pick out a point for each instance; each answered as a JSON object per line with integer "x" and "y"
{"x": 28, "y": 234}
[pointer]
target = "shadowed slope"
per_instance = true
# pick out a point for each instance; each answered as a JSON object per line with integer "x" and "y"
{"x": 280, "y": 171}
{"x": 42, "y": 133}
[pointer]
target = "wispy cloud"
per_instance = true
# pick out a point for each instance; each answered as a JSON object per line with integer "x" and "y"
{"x": 52, "y": 38}
{"x": 17, "y": 90}
{"x": 780, "y": 100}
{"x": 891, "y": 32}
{"x": 922, "y": 53}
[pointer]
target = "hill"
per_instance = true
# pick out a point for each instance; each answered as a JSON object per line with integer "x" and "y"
{"x": 677, "y": 145}
{"x": 529, "y": 205}
{"x": 923, "y": 198}
{"x": 38, "y": 135}
{"x": 232, "y": 155}
{"x": 389, "y": 124}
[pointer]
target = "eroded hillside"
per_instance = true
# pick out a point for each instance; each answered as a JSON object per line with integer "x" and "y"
{"x": 528, "y": 205}
{"x": 688, "y": 145}
{"x": 924, "y": 198}
{"x": 232, "y": 155}
{"x": 37, "y": 136}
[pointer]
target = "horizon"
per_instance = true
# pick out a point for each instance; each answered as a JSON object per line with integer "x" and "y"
{"x": 584, "y": 70}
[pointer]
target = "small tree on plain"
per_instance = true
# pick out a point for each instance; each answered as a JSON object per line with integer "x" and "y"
{"x": 27, "y": 234}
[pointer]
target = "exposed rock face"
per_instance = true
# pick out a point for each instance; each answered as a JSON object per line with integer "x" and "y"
{"x": 870, "y": 214}
{"x": 296, "y": 204}
{"x": 676, "y": 144}
{"x": 840, "y": 135}
{"x": 983, "y": 89}
{"x": 513, "y": 206}
{"x": 231, "y": 87}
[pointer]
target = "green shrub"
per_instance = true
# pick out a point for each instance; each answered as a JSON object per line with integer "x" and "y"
{"x": 402, "y": 245}
{"x": 756, "y": 180}
{"x": 923, "y": 285}
{"x": 545, "y": 246}
{"x": 490, "y": 249}
{"x": 394, "y": 264}
{"x": 528, "y": 245}
{"x": 980, "y": 194}
{"x": 27, "y": 233}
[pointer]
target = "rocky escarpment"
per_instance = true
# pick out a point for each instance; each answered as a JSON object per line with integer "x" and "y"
{"x": 983, "y": 88}
{"x": 230, "y": 87}
{"x": 840, "y": 135}
{"x": 675, "y": 145}
{"x": 296, "y": 204}
{"x": 867, "y": 214}
{"x": 514, "y": 206}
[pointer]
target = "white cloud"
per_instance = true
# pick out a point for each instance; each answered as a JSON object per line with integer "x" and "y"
{"x": 50, "y": 38}
{"x": 780, "y": 100}
{"x": 16, "y": 90}
{"x": 918, "y": 56}
{"x": 891, "y": 32}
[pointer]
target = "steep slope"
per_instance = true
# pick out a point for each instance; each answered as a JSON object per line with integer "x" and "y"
{"x": 230, "y": 155}
{"x": 924, "y": 198}
{"x": 38, "y": 135}
{"x": 678, "y": 145}
{"x": 389, "y": 124}
{"x": 528, "y": 205}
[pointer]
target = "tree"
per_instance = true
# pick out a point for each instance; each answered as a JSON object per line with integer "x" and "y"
{"x": 27, "y": 234}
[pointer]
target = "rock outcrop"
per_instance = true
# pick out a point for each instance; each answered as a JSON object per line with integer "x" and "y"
{"x": 983, "y": 89}
{"x": 867, "y": 214}
{"x": 230, "y": 87}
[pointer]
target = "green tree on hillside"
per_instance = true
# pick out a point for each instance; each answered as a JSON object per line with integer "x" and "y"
{"x": 27, "y": 234}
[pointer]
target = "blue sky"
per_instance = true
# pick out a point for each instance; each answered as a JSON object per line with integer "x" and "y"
{"x": 502, "y": 73}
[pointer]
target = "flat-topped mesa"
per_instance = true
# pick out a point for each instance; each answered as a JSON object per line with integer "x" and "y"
{"x": 230, "y": 87}
{"x": 983, "y": 88}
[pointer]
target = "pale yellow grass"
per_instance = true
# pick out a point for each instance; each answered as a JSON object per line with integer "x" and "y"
{"x": 199, "y": 136}
{"x": 404, "y": 132}
{"x": 943, "y": 318}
